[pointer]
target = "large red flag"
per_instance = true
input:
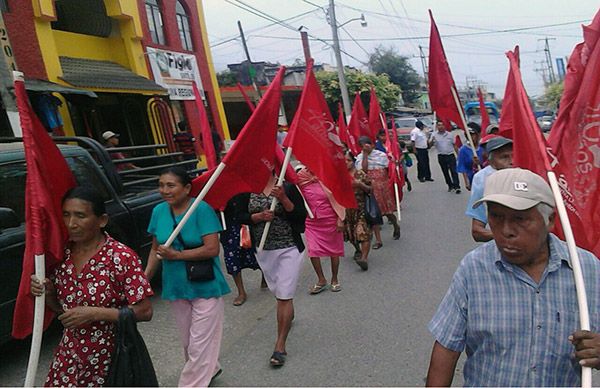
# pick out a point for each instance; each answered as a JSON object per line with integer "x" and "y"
{"x": 375, "y": 123}
{"x": 48, "y": 179}
{"x": 250, "y": 160}
{"x": 207, "y": 143}
{"x": 315, "y": 143}
{"x": 506, "y": 124}
{"x": 441, "y": 82}
{"x": 359, "y": 122}
{"x": 485, "y": 117}
{"x": 290, "y": 174}
{"x": 530, "y": 149}
{"x": 575, "y": 136}
{"x": 345, "y": 136}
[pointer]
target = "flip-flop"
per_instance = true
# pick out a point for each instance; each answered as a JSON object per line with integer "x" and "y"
{"x": 363, "y": 264}
{"x": 337, "y": 287}
{"x": 317, "y": 288}
{"x": 239, "y": 302}
{"x": 278, "y": 359}
{"x": 377, "y": 245}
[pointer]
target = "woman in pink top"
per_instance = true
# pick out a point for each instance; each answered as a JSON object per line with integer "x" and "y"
{"x": 324, "y": 232}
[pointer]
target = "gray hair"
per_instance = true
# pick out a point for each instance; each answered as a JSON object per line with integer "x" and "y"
{"x": 545, "y": 211}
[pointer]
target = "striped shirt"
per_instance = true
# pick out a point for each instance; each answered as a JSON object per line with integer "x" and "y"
{"x": 515, "y": 331}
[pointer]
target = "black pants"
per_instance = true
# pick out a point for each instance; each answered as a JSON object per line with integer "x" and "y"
{"x": 448, "y": 166}
{"x": 423, "y": 170}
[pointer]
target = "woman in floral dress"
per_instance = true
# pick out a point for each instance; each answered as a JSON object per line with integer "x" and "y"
{"x": 98, "y": 276}
{"x": 356, "y": 228}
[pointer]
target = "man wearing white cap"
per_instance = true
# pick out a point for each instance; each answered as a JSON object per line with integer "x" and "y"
{"x": 512, "y": 303}
{"x": 500, "y": 156}
{"x": 111, "y": 140}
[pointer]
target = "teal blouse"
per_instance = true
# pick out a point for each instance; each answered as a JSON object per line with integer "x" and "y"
{"x": 175, "y": 284}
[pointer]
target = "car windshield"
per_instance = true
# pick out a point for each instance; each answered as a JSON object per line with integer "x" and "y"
{"x": 403, "y": 123}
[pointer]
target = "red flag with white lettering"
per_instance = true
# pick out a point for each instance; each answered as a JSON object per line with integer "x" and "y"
{"x": 250, "y": 160}
{"x": 440, "y": 79}
{"x": 315, "y": 143}
{"x": 575, "y": 136}
{"x": 48, "y": 179}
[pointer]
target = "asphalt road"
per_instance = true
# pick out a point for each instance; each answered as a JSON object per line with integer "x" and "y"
{"x": 372, "y": 333}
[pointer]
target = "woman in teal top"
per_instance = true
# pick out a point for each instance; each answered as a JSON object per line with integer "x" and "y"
{"x": 198, "y": 306}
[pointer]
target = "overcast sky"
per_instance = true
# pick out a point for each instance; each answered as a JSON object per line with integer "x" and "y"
{"x": 404, "y": 25}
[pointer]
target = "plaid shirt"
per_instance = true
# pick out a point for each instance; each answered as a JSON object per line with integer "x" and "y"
{"x": 515, "y": 331}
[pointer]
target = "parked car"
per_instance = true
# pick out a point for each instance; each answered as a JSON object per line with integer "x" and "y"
{"x": 403, "y": 126}
{"x": 545, "y": 122}
{"x": 130, "y": 196}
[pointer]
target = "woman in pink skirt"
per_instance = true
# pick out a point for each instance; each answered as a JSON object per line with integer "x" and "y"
{"x": 324, "y": 233}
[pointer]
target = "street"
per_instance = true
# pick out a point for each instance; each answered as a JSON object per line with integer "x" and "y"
{"x": 372, "y": 333}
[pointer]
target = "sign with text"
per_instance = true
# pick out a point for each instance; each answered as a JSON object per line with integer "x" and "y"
{"x": 175, "y": 72}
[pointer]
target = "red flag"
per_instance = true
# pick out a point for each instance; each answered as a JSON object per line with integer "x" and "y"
{"x": 441, "y": 82}
{"x": 250, "y": 161}
{"x": 457, "y": 142}
{"x": 531, "y": 151}
{"x": 48, "y": 179}
{"x": 375, "y": 123}
{"x": 290, "y": 174}
{"x": 506, "y": 124}
{"x": 359, "y": 122}
{"x": 344, "y": 133}
{"x": 485, "y": 117}
{"x": 315, "y": 143}
{"x": 393, "y": 146}
{"x": 575, "y": 136}
{"x": 246, "y": 98}
{"x": 207, "y": 143}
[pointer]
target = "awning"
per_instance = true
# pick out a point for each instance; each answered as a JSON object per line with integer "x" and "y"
{"x": 99, "y": 75}
{"x": 38, "y": 85}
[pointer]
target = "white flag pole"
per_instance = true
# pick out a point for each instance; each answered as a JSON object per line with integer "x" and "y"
{"x": 223, "y": 220}
{"x": 397, "y": 201}
{"x": 199, "y": 198}
{"x": 286, "y": 161}
{"x": 584, "y": 315}
{"x": 38, "y": 324}
{"x": 308, "y": 211}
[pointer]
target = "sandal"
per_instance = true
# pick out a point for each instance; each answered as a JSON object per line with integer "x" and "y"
{"x": 278, "y": 359}
{"x": 377, "y": 245}
{"x": 363, "y": 264}
{"x": 317, "y": 288}
{"x": 337, "y": 287}
{"x": 239, "y": 301}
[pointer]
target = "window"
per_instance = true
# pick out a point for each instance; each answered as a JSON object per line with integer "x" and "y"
{"x": 183, "y": 23}
{"x": 86, "y": 174}
{"x": 12, "y": 196}
{"x": 87, "y": 17}
{"x": 155, "y": 22}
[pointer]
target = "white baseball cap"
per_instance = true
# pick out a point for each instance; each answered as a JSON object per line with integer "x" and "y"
{"x": 108, "y": 134}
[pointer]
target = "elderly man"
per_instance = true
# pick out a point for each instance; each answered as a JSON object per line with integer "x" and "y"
{"x": 512, "y": 303}
{"x": 500, "y": 156}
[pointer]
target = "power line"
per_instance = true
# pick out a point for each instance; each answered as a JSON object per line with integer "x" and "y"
{"x": 354, "y": 40}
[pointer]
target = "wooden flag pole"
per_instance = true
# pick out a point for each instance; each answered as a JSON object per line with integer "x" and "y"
{"x": 286, "y": 161}
{"x": 38, "y": 324}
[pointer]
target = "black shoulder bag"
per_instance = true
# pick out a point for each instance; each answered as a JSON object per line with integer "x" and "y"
{"x": 197, "y": 270}
{"x": 372, "y": 212}
{"x": 131, "y": 365}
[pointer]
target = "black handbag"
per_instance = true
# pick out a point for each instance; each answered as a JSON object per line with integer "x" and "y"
{"x": 372, "y": 212}
{"x": 131, "y": 365}
{"x": 197, "y": 270}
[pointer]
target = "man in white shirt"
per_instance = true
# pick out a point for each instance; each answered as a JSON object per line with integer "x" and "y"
{"x": 444, "y": 143}
{"x": 420, "y": 143}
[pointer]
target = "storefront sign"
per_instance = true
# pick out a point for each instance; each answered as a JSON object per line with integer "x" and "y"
{"x": 175, "y": 72}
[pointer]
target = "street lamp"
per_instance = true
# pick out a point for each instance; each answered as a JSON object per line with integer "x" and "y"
{"x": 338, "y": 55}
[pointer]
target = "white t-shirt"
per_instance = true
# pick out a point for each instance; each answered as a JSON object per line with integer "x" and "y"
{"x": 419, "y": 137}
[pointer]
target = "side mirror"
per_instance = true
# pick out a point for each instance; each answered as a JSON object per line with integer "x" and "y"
{"x": 8, "y": 218}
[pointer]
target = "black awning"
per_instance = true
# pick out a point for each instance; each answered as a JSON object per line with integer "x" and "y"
{"x": 38, "y": 85}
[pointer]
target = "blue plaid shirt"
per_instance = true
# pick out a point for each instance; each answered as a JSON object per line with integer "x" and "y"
{"x": 515, "y": 332}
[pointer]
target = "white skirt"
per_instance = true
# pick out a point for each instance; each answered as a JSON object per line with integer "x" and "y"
{"x": 281, "y": 268}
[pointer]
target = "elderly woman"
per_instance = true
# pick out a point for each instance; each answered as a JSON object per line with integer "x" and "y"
{"x": 281, "y": 258}
{"x": 356, "y": 228}
{"x": 375, "y": 164}
{"x": 98, "y": 276}
{"x": 197, "y": 305}
{"x": 323, "y": 233}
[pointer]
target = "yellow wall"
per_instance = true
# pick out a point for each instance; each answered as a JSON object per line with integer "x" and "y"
{"x": 73, "y": 45}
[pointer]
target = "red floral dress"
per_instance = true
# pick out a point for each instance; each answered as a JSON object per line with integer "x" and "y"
{"x": 112, "y": 278}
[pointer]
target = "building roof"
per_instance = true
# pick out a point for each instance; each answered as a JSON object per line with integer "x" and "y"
{"x": 94, "y": 74}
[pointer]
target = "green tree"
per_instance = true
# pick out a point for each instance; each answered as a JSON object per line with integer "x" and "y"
{"x": 357, "y": 81}
{"x": 552, "y": 95}
{"x": 398, "y": 68}
{"x": 226, "y": 78}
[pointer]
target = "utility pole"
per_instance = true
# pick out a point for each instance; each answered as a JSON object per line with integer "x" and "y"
{"x": 338, "y": 57}
{"x": 542, "y": 69}
{"x": 424, "y": 65}
{"x": 7, "y": 66}
{"x": 552, "y": 76}
{"x": 251, "y": 70}
{"x": 305, "y": 46}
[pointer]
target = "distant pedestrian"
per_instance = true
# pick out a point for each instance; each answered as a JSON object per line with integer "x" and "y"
{"x": 281, "y": 135}
{"x": 443, "y": 141}
{"x": 500, "y": 156}
{"x": 185, "y": 141}
{"x": 420, "y": 143}
{"x": 468, "y": 163}
{"x": 111, "y": 140}
{"x": 323, "y": 233}
{"x": 407, "y": 162}
{"x": 380, "y": 141}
